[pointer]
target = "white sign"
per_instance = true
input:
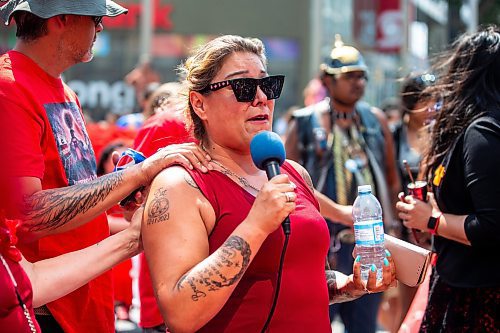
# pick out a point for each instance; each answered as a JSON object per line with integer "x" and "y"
{"x": 117, "y": 97}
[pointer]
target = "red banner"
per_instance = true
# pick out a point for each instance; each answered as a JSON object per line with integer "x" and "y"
{"x": 161, "y": 17}
{"x": 378, "y": 25}
{"x": 389, "y": 26}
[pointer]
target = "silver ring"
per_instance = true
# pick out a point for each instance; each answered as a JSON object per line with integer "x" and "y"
{"x": 288, "y": 197}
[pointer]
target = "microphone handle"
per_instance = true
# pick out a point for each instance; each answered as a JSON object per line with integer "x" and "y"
{"x": 273, "y": 169}
{"x": 287, "y": 229}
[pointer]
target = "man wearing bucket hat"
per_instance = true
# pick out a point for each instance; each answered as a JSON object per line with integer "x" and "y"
{"x": 343, "y": 143}
{"x": 48, "y": 175}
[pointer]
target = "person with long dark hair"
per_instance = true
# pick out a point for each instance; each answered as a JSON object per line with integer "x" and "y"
{"x": 463, "y": 211}
{"x": 411, "y": 139}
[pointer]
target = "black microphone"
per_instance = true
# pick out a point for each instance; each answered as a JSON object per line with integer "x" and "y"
{"x": 268, "y": 153}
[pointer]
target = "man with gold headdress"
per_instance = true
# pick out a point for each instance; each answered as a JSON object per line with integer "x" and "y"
{"x": 344, "y": 142}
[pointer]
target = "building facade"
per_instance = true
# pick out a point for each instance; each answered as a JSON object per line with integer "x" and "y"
{"x": 298, "y": 35}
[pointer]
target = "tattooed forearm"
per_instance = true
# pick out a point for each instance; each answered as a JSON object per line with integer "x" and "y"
{"x": 190, "y": 181}
{"x": 331, "y": 282}
{"x": 338, "y": 294}
{"x": 230, "y": 262}
{"x": 50, "y": 209}
{"x": 158, "y": 209}
{"x": 307, "y": 179}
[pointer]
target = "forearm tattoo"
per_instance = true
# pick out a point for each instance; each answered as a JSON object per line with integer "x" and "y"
{"x": 230, "y": 262}
{"x": 50, "y": 209}
{"x": 158, "y": 209}
{"x": 331, "y": 282}
{"x": 307, "y": 179}
{"x": 335, "y": 294}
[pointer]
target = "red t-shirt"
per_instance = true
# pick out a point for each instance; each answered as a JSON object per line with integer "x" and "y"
{"x": 303, "y": 300}
{"x": 42, "y": 126}
{"x": 162, "y": 129}
{"x": 12, "y": 318}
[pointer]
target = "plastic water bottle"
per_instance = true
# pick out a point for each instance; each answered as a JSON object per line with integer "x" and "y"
{"x": 368, "y": 231}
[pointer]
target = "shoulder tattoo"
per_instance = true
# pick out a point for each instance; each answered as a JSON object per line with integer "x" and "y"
{"x": 158, "y": 209}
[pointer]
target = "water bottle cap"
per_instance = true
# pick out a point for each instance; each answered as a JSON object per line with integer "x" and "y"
{"x": 365, "y": 189}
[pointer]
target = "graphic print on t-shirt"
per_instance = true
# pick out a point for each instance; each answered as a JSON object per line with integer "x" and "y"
{"x": 72, "y": 142}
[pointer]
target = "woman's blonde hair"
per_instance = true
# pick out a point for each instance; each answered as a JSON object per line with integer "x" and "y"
{"x": 203, "y": 65}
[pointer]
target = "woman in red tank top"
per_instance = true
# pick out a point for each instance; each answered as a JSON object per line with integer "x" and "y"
{"x": 212, "y": 240}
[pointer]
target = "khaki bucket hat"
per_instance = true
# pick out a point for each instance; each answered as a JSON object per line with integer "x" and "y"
{"x": 49, "y": 8}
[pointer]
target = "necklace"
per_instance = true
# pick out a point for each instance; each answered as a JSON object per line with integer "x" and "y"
{"x": 242, "y": 180}
{"x": 19, "y": 298}
{"x": 343, "y": 115}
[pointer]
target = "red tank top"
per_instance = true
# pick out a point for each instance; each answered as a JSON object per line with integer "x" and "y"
{"x": 12, "y": 317}
{"x": 303, "y": 300}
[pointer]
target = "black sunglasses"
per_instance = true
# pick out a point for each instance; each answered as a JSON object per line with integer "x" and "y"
{"x": 97, "y": 20}
{"x": 245, "y": 89}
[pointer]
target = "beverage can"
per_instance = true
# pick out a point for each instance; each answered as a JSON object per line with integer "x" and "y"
{"x": 418, "y": 190}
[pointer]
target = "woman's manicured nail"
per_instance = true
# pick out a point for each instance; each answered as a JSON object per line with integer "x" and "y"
{"x": 358, "y": 258}
{"x": 387, "y": 253}
{"x": 373, "y": 268}
{"x": 386, "y": 262}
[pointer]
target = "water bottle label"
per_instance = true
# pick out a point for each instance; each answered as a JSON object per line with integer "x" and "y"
{"x": 369, "y": 233}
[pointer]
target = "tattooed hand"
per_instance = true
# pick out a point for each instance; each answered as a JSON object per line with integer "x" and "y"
{"x": 275, "y": 201}
{"x": 344, "y": 288}
{"x": 187, "y": 154}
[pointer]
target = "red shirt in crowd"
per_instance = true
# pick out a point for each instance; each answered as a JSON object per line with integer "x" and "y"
{"x": 42, "y": 126}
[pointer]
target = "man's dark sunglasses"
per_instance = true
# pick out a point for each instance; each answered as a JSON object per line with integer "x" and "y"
{"x": 245, "y": 89}
{"x": 97, "y": 20}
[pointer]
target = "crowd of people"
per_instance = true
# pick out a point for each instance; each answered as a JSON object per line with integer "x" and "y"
{"x": 204, "y": 222}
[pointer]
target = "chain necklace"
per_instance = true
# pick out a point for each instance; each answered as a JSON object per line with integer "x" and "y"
{"x": 19, "y": 298}
{"x": 243, "y": 181}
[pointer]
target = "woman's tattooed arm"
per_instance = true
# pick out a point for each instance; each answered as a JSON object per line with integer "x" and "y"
{"x": 336, "y": 294}
{"x": 225, "y": 269}
{"x": 339, "y": 292}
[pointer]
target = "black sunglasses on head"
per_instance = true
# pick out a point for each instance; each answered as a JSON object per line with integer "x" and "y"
{"x": 245, "y": 89}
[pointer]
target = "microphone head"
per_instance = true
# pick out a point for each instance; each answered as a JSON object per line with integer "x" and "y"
{"x": 267, "y": 146}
